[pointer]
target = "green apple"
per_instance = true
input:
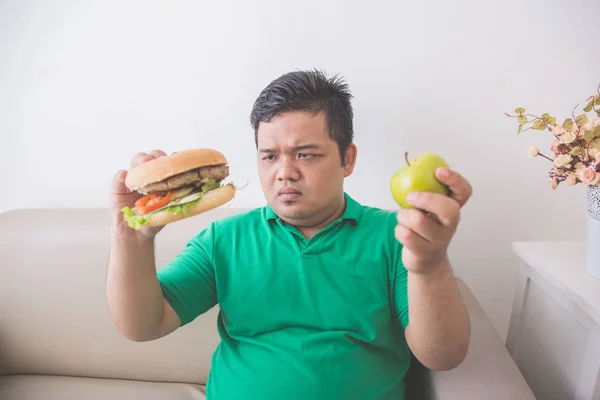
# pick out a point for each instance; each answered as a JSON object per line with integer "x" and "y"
{"x": 418, "y": 175}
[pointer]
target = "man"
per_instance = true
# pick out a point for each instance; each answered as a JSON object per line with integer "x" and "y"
{"x": 320, "y": 297}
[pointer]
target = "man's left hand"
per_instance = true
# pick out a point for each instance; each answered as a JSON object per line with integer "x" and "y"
{"x": 426, "y": 230}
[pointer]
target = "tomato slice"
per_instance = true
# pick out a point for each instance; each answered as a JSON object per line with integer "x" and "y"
{"x": 141, "y": 202}
{"x": 152, "y": 202}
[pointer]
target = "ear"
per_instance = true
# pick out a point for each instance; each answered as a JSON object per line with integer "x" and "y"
{"x": 350, "y": 159}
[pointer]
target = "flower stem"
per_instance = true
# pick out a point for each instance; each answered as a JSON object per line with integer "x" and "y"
{"x": 573, "y": 115}
{"x": 541, "y": 155}
{"x": 406, "y": 157}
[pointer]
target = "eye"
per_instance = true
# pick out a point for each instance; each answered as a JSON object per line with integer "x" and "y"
{"x": 304, "y": 156}
{"x": 270, "y": 157}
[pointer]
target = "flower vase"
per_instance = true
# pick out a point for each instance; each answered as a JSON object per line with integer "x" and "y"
{"x": 593, "y": 231}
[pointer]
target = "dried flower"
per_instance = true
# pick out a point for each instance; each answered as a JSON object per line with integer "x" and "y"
{"x": 555, "y": 147}
{"x": 534, "y": 151}
{"x": 588, "y": 176}
{"x": 575, "y": 150}
{"x": 567, "y": 137}
{"x": 562, "y": 161}
{"x": 557, "y": 130}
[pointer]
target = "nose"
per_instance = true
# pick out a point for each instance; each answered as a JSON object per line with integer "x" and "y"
{"x": 288, "y": 171}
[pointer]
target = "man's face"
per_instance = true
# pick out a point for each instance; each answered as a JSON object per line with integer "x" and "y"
{"x": 300, "y": 167}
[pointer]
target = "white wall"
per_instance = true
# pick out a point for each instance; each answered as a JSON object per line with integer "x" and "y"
{"x": 84, "y": 85}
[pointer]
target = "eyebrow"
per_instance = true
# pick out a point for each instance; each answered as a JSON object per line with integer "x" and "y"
{"x": 313, "y": 146}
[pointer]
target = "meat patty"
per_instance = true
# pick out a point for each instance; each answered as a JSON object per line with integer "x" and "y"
{"x": 194, "y": 177}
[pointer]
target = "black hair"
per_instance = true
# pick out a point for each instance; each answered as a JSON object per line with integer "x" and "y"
{"x": 308, "y": 91}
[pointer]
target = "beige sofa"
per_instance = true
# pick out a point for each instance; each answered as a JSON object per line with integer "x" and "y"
{"x": 57, "y": 340}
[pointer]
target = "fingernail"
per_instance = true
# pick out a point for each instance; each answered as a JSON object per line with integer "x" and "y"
{"x": 412, "y": 196}
{"x": 444, "y": 173}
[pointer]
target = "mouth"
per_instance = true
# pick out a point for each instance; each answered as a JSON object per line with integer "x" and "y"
{"x": 289, "y": 194}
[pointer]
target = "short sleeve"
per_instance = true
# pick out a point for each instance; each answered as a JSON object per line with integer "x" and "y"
{"x": 188, "y": 282}
{"x": 401, "y": 293}
{"x": 400, "y": 281}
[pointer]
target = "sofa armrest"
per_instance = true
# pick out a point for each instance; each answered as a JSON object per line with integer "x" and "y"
{"x": 488, "y": 372}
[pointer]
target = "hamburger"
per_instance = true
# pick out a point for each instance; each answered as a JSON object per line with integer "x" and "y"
{"x": 177, "y": 186}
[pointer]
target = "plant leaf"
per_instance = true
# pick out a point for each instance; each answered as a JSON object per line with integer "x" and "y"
{"x": 582, "y": 119}
{"x": 520, "y": 110}
{"x": 539, "y": 125}
{"x": 550, "y": 120}
{"x": 520, "y": 129}
{"x": 596, "y": 131}
{"x": 575, "y": 151}
{"x": 522, "y": 119}
{"x": 568, "y": 124}
{"x": 589, "y": 135}
{"x": 594, "y": 101}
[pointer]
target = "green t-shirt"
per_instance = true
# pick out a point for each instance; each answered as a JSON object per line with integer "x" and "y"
{"x": 319, "y": 319}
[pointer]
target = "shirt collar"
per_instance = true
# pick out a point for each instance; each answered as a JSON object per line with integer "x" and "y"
{"x": 352, "y": 213}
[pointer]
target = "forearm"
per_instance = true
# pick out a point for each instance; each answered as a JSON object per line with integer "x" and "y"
{"x": 134, "y": 296}
{"x": 439, "y": 331}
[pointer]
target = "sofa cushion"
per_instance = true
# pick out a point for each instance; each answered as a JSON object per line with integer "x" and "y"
{"x": 47, "y": 387}
{"x": 54, "y": 317}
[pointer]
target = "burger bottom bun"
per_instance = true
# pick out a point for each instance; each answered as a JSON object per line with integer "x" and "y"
{"x": 212, "y": 199}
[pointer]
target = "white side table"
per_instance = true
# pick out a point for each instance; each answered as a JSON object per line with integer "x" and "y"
{"x": 554, "y": 331}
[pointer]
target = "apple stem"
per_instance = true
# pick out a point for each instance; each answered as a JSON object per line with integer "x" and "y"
{"x": 406, "y": 157}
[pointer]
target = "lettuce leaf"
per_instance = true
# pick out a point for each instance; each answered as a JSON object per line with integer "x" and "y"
{"x": 136, "y": 221}
{"x": 133, "y": 220}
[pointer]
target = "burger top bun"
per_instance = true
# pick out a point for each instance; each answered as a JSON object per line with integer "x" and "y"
{"x": 161, "y": 168}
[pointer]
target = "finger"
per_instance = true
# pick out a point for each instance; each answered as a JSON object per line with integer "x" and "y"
{"x": 420, "y": 223}
{"x": 158, "y": 153}
{"x": 139, "y": 158}
{"x": 460, "y": 189}
{"x": 445, "y": 209}
{"x": 411, "y": 240}
{"x": 118, "y": 183}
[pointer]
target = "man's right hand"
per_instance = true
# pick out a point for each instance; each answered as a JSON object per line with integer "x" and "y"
{"x": 121, "y": 196}
{"x": 137, "y": 306}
